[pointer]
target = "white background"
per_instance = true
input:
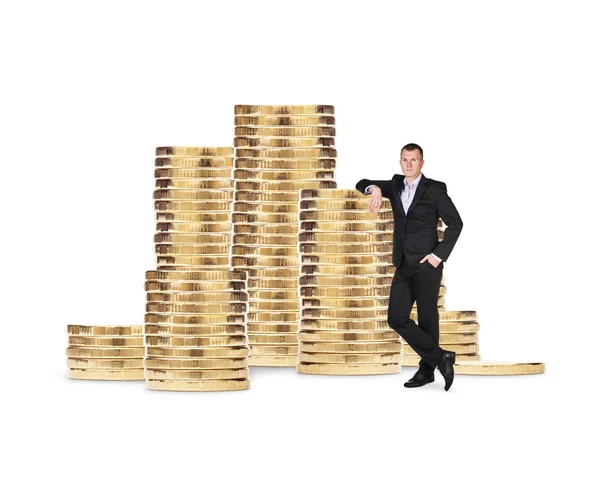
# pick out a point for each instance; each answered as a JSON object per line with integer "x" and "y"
{"x": 503, "y": 98}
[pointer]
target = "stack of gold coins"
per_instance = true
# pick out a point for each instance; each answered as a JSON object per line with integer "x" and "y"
{"x": 193, "y": 202}
{"x": 195, "y": 330}
{"x": 279, "y": 150}
{"x": 103, "y": 352}
{"x": 346, "y": 272}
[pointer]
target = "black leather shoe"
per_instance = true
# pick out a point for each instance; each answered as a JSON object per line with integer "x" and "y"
{"x": 420, "y": 378}
{"x": 446, "y": 367}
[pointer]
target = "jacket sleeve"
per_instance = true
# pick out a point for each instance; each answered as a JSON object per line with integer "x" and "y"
{"x": 385, "y": 186}
{"x": 447, "y": 211}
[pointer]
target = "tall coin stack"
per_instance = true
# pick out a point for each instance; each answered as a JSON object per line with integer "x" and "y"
{"x": 279, "y": 150}
{"x": 114, "y": 353}
{"x": 193, "y": 202}
{"x": 346, "y": 271}
{"x": 195, "y": 330}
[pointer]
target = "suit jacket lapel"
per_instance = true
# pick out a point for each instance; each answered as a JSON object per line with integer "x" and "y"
{"x": 418, "y": 193}
{"x": 398, "y": 191}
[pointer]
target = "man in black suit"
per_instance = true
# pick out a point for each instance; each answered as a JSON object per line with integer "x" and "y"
{"x": 417, "y": 203}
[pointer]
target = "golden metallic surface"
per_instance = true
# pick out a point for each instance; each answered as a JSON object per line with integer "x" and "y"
{"x": 196, "y": 374}
{"x": 203, "y": 275}
{"x": 249, "y": 185}
{"x": 468, "y": 348}
{"x": 263, "y": 207}
{"x": 218, "y": 238}
{"x": 206, "y": 352}
{"x": 264, "y": 251}
{"x": 458, "y": 338}
{"x": 288, "y": 142}
{"x": 351, "y": 347}
{"x": 498, "y": 368}
{"x": 345, "y": 302}
{"x": 273, "y": 339}
{"x": 286, "y": 153}
{"x": 345, "y": 358}
{"x": 317, "y": 335}
{"x": 347, "y": 369}
{"x": 208, "y": 385}
{"x": 180, "y": 173}
{"x": 272, "y": 360}
{"x": 250, "y": 240}
{"x": 176, "y": 249}
{"x": 266, "y": 197}
{"x": 196, "y": 308}
{"x": 107, "y": 374}
{"x": 347, "y": 270}
{"x": 118, "y": 330}
{"x": 344, "y": 292}
{"x": 414, "y": 360}
{"x": 104, "y": 363}
{"x": 252, "y": 217}
{"x": 198, "y": 286}
{"x": 300, "y": 131}
{"x": 333, "y": 239}
{"x": 193, "y": 194}
{"x": 271, "y": 295}
{"x": 266, "y": 229}
{"x": 456, "y": 315}
{"x": 193, "y": 206}
{"x": 333, "y": 259}
{"x": 285, "y": 175}
{"x": 247, "y": 262}
{"x": 178, "y": 363}
{"x": 196, "y": 227}
{"x": 348, "y": 313}
{"x": 458, "y": 327}
{"x": 283, "y": 109}
{"x": 194, "y": 162}
{"x": 106, "y": 342}
{"x": 154, "y": 319}
{"x": 272, "y": 327}
{"x": 194, "y": 151}
{"x": 269, "y": 120}
{"x": 307, "y": 281}
{"x": 190, "y": 261}
{"x": 341, "y": 325}
{"x": 367, "y": 226}
{"x": 193, "y": 216}
{"x": 194, "y": 183}
{"x": 193, "y": 266}
{"x": 274, "y": 350}
{"x": 342, "y": 204}
{"x": 195, "y": 341}
{"x": 345, "y": 215}
{"x": 315, "y": 194}
{"x": 200, "y": 330}
{"x": 116, "y": 353}
{"x": 275, "y": 305}
{"x": 271, "y": 284}
{"x": 270, "y": 316}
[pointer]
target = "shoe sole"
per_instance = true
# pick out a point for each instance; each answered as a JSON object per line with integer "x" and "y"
{"x": 418, "y": 385}
{"x": 449, "y": 383}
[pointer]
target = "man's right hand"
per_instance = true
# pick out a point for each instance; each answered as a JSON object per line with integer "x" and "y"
{"x": 376, "y": 198}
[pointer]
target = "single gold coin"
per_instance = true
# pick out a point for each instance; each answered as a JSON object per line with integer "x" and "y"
{"x": 270, "y": 197}
{"x": 224, "y": 228}
{"x": 104, "y": 363}
{"x": 498, "y": 367}
{"x": 279, "y": 272}
{"x": 272, "y": 339}
{"x": 106, "y": 341}
{"x": 341, "y": 204}
{"x": 414, "y": 360}
{"x": 176, "y": 249}
{"x": 339, "y": 249}
{"x": 91, "y": 330}
{"x": 198, "y": 286}
{"x": 106, "y": 374}
{"x": 348, "y": 227}
{"x": 347, "y": 270}
{"x": 187, "y": 262}
{"x": 208, "y": 385}
{"x": 266, "y": 218}
{"x": 274, "y": 350}
{"x": 151, "y": 318}
{"x": 117, "y": 353}
{"x": 183, "y": 239}
{"x": 299, "y": 131}
{"x": 250, "y": 185}
{"x": 272, "y": 328}
{"x": 196, "y": 374}
{"x": 245, "y": 109}
{"x": 274, "y": 120}
{"x": 265, "y": 207}
{"x": 220, "y": 206}
{"x": 193, "y": 266}
{"x": 354, "y": 194}
{"x": 194, "y": 151}
{"x": 193, "y": 194}
{"x": 286, "y": 152}
{"x": 285, "y": 175}
{"x": 344, "y": 215}
{"x": 285, "y": 164}
{"x": 458, "y": 327}
{"x": 468, "y": 348}
{"x": 342, "y": 325}
{"x": 347, "y": 369}
{"x": 288, "y": 142}
{"x": 345, "y": 302}
{"x": 357, "y": 313}
{"x": 257, "y": 240}
{"x": 336, "y": 259}
{"x": 308, "y": 282}
{"x": 273, "y": 316}
{"x": 454, "y": 316}
{"x": 193, "y": 216}
{"x": 288, "y": 360}
{"x": 289, "y": 304}
{"x": 271, "y": 295}
{"x": 350, "y": 347}
{"x": 194, "y": 183}
{"x": 179, "y": 363}
{"x": 457, "y": 338}
{"x": 206, "y": 352}
{"x": 271, "y": 284}
{"x": 344, "y": 292}
{"x": 345, "y": 358}
{"x": 200, "y": 330}
{"x": 197, "y": 275}
{"x": 333, "y": 239}
{"x": 266, "y": 229}
{"x": 195, "y": 341}
{"x": 264, "y": 251}
{"x": 215, "y": 308}
{"x": 317, "y": 335}
{"x": 262, "y": 262}
{"x": 181, "y": 173}
{"x": 194, "y": 162}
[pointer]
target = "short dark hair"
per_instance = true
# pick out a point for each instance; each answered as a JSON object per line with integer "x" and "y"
{"x": 411, "y": 146}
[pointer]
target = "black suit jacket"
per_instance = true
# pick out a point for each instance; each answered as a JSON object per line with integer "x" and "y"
{"x": 416, "y": 231}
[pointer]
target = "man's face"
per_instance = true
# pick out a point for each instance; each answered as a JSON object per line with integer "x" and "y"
{"x": 411, "y": 163}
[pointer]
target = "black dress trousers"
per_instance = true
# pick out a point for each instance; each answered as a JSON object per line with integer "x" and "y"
{"x": 420, "y": 283}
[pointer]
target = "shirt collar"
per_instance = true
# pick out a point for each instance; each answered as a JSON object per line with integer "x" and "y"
{"x": 416, "y": 181}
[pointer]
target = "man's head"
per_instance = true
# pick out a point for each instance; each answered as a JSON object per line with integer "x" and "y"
{"x": 411, "y": 160}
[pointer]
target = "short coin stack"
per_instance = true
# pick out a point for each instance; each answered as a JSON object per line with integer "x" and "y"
{"x": 114, "y": 353}
{"x": 193, "y": 202}
{"x": 279, "y": 150}
{"x": 195, "y": 330}
{"x": 346, "y": 272}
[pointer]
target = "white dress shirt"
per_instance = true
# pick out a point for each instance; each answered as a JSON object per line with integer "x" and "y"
{"x": 407, "y": 195}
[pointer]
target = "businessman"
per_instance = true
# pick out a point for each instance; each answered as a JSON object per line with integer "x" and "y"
{"x": 417, "y": 203}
